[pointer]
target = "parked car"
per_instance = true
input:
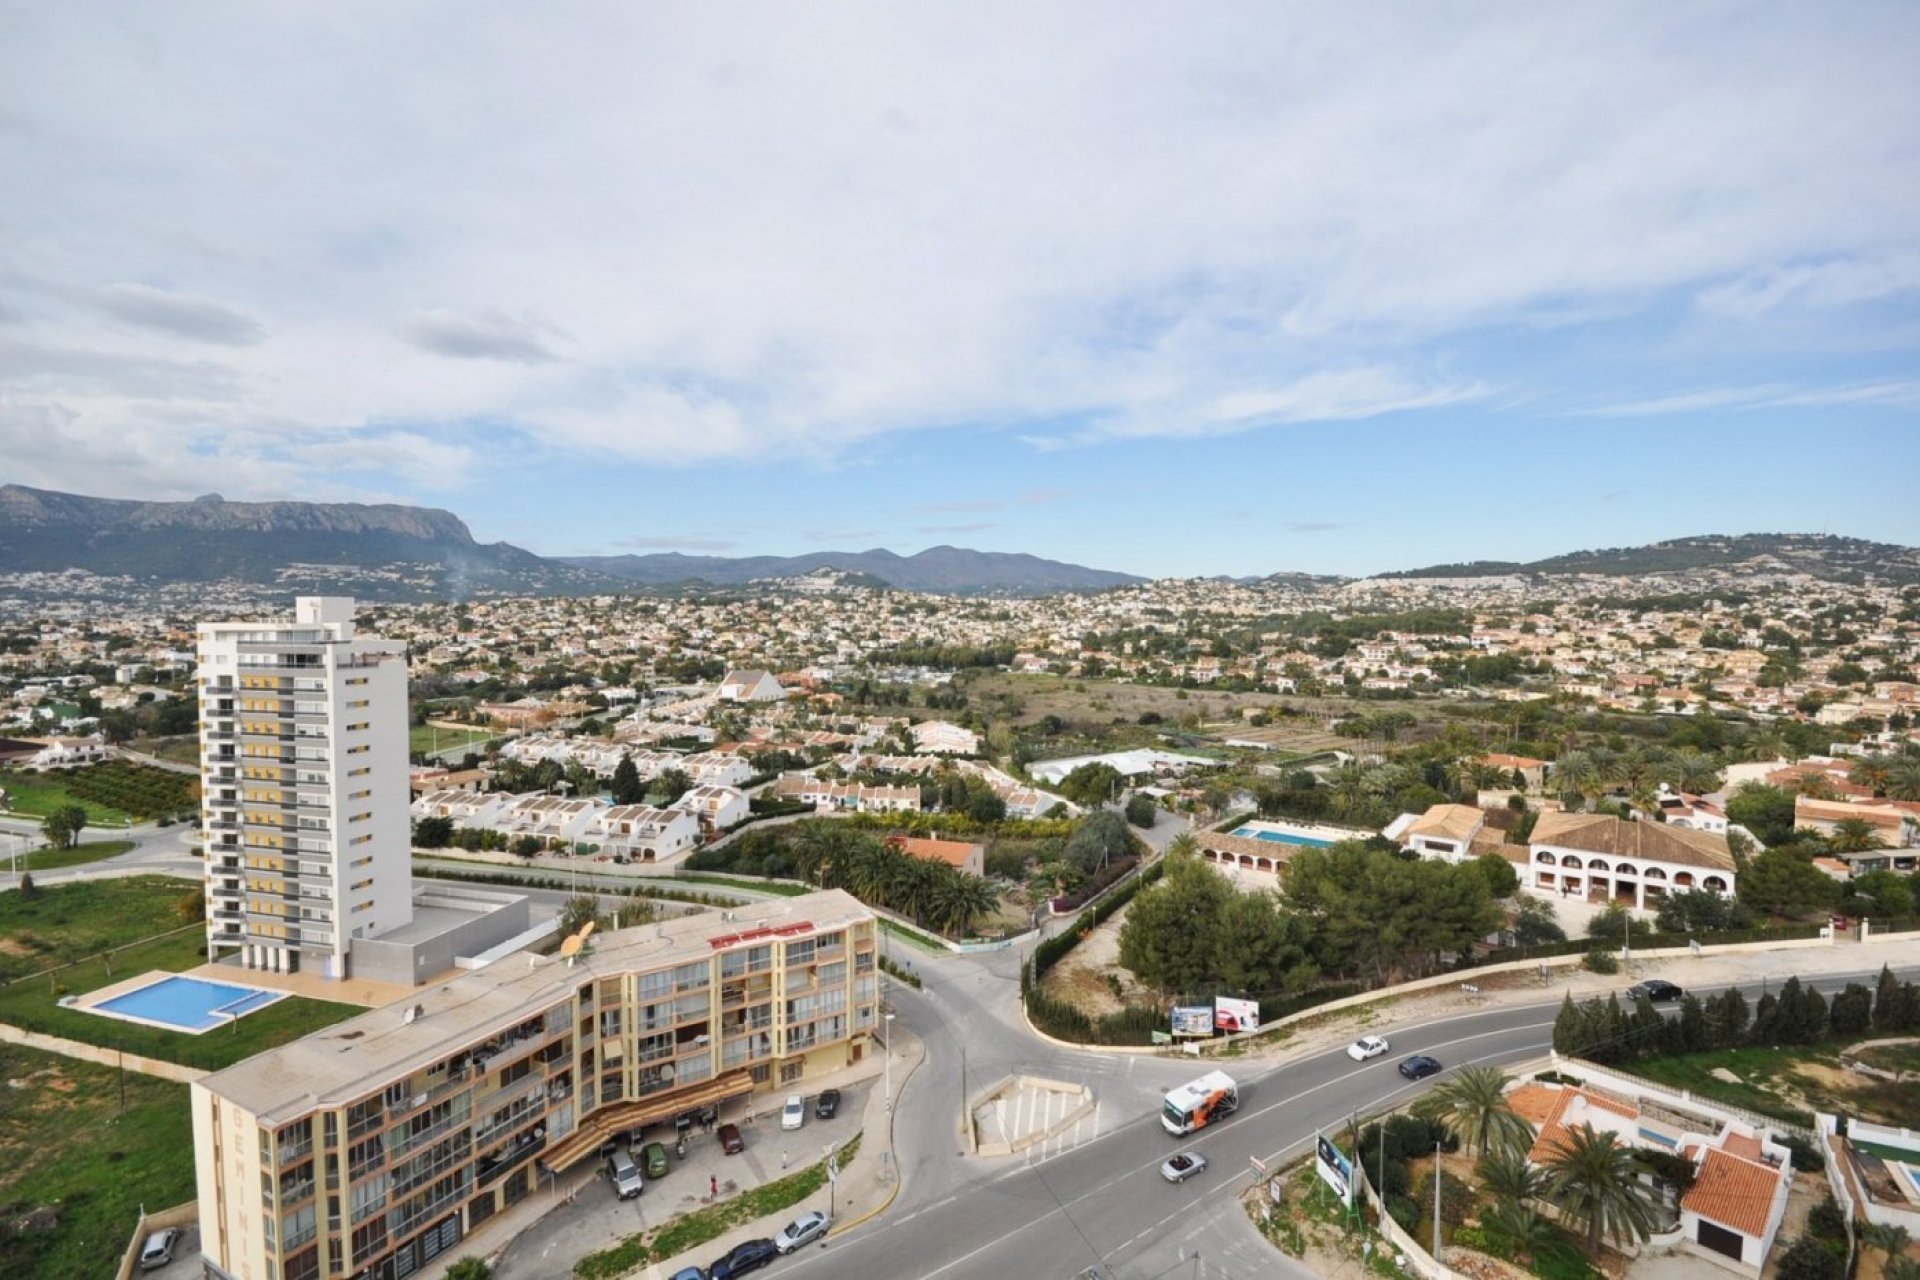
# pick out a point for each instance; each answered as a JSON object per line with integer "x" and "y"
{"x": 1657, "y": 990}
{"x": 158, "y": 1250}
{"x": 748, "y": 1255}
{"x": 1183, "y": 1165}
{"x": 827, "y": 1104}
{"x": 794, "y": 1114}
{"x": 730, "y": 1140}
{"x": 653, "y": 1159}
{"x": 624, "y": 1174}
{"x": 1419, "y": 1067}
{"x": 803, "y": 1230}
{"x": 689, "y": 1273}
{"x": 1367, "y": 1047}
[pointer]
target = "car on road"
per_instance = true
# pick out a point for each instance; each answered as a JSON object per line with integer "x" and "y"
{"x": 730, "y": 1140}
{"x": 794, "y": 1114}
{"x": 1419, "y": 1067}
{"x": 1656, "y": 990}
{"x": 748, "y": 1255}
{"x": 827, "y": 1105}
{"x": 1367, "y": 1047}
{"x": 803, "y": 1230}
{"x": 158, "y": 1250}
{"x": 1182, "y": 1165}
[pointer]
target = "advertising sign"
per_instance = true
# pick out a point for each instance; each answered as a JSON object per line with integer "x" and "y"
{"x": 1192, "y": 1020}
{"x": 1231, "y": 1015}
{"x": 1335, "y": 1169}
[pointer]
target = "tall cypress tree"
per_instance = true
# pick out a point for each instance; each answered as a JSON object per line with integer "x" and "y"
{"x": 1886, "y": 1001}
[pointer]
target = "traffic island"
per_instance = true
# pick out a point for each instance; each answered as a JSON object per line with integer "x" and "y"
{"x": 1023, "y": 1110}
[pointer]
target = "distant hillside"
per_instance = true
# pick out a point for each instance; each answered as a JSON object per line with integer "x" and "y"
{"x": 1823, "y": 556}
{"x": 385, "y": 551}
{"x": 951, "y": 570}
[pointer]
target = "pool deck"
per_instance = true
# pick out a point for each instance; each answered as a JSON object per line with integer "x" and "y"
{"x": 361, "y": 991}
{"x": 92, "y": 1001}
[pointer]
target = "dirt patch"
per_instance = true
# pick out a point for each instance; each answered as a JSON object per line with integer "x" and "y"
{"x": 1085, "y": 975}
{"x": 10, "y": 947}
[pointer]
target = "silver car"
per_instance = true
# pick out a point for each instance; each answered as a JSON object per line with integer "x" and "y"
{"x": 158, "y": 1250}
{"x": 803, "y": 1230}
{"x": 1183, "y": 1165}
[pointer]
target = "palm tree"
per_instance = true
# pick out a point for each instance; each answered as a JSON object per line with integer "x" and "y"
{"x": 1696, "y": 773}
{"x": 1521, "y": 1229}
{"x": 1869, "y": 772}
{"x": 1473, "y": 1103}
{"x": 1183, "y": 845}
{"x": 1510, "y": 1178}
{"x": 957, "y": 898}
{"x": 1596, "y": 1182}
{"x": 1903, "y": 778}
{"x": 1854, "y": 835}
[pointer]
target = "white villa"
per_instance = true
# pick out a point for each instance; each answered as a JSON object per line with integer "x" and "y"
{"x": 750, "y": 686}
{"x": 1604, "y": 859}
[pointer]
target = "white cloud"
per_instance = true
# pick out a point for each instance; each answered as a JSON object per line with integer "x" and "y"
{"x": 1895, "y": 393}
{"x": 683, "y": 236}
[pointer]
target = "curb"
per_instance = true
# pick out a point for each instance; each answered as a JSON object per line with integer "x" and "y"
{"x": 884, "y": 1205}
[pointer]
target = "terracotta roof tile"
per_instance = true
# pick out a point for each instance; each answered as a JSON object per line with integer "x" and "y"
{"x": 1733, "y": 1192}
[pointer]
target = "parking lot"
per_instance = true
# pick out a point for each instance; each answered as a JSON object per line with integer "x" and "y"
{"x": 587, "y": 1216}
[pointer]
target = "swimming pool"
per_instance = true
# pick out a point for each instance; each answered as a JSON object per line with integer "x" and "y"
{"x": 180, "y": 1003}
{"x": 1281, "y": 837}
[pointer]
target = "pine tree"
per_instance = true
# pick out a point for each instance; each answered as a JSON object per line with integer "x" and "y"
{"x": 1886, "y": 1001}
{"x": 1567, "y": 1029}
{"x": 1691, "y": 1025}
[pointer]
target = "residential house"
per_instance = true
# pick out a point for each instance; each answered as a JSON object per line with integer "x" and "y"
{"x": 66, "y": 753}
{"x": 1600, "y": 858}
{"x": 717, "y": 808}
{"x": 938, "y": 738}
{"x": 644, "y": 833}
{"x": 750, "y": 686}
{"x": 961, "y": 855}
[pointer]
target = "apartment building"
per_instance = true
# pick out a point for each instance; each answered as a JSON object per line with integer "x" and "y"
{"x": 303, "y": 762}
{"x": 377, "y": 1144}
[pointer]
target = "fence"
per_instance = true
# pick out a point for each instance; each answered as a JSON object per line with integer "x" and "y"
{"x": 180, "y": 1215}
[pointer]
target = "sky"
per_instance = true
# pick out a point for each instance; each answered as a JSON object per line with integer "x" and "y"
{"x": 1173, "y": 290}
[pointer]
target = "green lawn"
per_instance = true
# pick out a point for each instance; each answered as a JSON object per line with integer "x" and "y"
{"x": 67, "y": 922}
{"x": 422, "y": 738}
{"x": 35, "y": 795}
{"x": 66, "y": 1143}
{"x": 1772, "y": 1084}
{"x": 47, "y": 858}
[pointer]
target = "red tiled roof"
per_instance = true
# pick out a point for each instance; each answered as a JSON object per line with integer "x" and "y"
{"x": 1735, "y": 1193}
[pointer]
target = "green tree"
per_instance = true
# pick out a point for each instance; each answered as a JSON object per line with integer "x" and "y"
{"x": 576, "y": 911}
{"x": 1596, "y": 1182}
{"x": 1510, "y": 1178}
{"x": 1886, "y": 1001}
{"x": 626, "y": 787}
{"x": 670, "y": 785}
{"x": 1502, "y": 880}
{"x": 1765, "y": 811}
{"x": 1473, "y": 1103}
{"x": 64, "y": 825}
{"x": 1257, "y": 946}
{"x": 1851, "y": 1011}
{"x": 1098, "y": 839}
{"x": 1167, "y": 941}
{"x": 432, "y": 832}
{"x": 470, "y": 1268}
{"x": 1808, "y": 1259}
{"x": 190, "y": 907}
{"x": 1092, "y": 784}
{"x": 1784, "y": 882}
{"x": 1854, "y": 835}
{"x": 1141, "y": 810}
{"x": 1522, "y": 1230}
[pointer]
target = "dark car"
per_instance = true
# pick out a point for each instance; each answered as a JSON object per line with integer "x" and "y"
{"x": 826, "y": 1104}
{"x": 1419, "y": 1067}
{"x": 1654, "y": 989}
{"x": 688, "y": 1273}
{"x": 748, "y": 1255}
{"x": 730, "y": 1140}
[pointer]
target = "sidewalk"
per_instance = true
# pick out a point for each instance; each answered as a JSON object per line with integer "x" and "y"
{"x": 545, "y": 1234}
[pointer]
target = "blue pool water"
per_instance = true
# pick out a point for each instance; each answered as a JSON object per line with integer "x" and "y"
{"x": 1282, "y": 837}
{"x": 187, "y": 1004}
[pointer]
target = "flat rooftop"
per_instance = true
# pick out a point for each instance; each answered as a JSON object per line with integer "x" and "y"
{"x": 348, "y": 1060}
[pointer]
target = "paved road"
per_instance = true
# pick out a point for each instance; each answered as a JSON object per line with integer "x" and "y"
{"x": 1103, "y": 1200}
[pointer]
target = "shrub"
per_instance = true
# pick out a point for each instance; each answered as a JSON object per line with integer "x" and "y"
{"x": 1602, "y": 962}
{"x": 1809, "y": 1259}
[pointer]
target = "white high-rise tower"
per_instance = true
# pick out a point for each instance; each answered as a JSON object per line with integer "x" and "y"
{"x": 303, "y": 764}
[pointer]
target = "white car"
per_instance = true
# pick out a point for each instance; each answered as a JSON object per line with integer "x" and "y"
{"x": 1367, "y": 1047}
{"x": 794, "y": 1114}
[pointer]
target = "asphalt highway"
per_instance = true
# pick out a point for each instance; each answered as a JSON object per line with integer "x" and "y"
{"x": 1104, "y": 1201}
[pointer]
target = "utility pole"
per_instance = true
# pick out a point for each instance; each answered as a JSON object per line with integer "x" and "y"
{"x": 1436, "y": 1202}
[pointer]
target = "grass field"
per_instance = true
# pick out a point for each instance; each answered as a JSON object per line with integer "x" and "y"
{"x": 50, "y": 859}
{"x": 422, "y": 738}
{"x": 1790, "y": 1082}
{"x": 182, "y": 750}
{"x": 135, "y": 919}
{"x": 35, "y": 795}
{"x": 66, "y": 1143}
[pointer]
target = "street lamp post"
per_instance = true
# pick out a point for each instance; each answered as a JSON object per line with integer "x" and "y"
{"x": 888, "y": 1046}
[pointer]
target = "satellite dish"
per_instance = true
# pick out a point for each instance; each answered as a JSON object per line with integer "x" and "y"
{"x": 586, "y": 929}
{"x": 571, "y": 947}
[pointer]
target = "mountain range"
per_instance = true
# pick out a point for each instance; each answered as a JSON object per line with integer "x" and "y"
{"x": 937, "y": 570}
{"x": 389, "y": 551}
{"x": 1819, "y": 555}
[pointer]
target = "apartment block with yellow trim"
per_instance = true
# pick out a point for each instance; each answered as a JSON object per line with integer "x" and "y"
{"x": 376, "y": 1145}
{"x": 303, "y": 747}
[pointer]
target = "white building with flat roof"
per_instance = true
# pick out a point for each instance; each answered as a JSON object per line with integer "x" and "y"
{"x": 303, "y": 764}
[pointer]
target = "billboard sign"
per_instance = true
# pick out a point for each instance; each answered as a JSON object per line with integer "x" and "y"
{"x": 1231, "y": 1015}
{"x": 1335, "y": 1169}
{"x": 1192, "y": 1020}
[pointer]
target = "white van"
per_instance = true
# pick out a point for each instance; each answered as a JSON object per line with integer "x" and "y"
{"x": 624, "y": 1174}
